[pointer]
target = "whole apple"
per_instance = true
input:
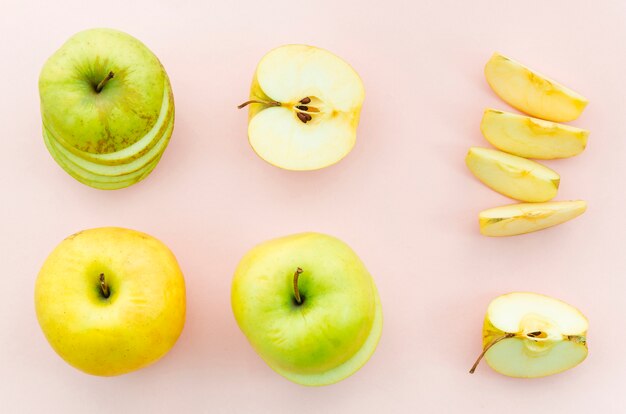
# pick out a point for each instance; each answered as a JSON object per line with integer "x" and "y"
{"x": 110, "y": 300}
{"x": 107, "y": 108}
{"x": 308, "y": 306}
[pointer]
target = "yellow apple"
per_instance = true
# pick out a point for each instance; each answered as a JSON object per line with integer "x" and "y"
{"x": 527, "y": 335}
{"x": 531, "y": 137}
{"x": 304, "y": 105}
{"x": 524, "y": 218}
{"x": 110, "y": 300}
{"x": 531, "y": 92}
{"x": 513, "y": 176}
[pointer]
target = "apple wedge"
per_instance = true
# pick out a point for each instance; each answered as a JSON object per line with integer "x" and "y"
{"x": 531, "y": 92}
{"x": 524, "y": 218}
{"x": 513, "y": 176}
{"x": 527, "y": 335}
{"x": 531, "y": 137}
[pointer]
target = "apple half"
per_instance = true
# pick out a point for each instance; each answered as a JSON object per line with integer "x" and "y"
{"x": 528, "y": 335}
{"x": 513, "y": 176}
{"x": 525, "y": 218}
{"x": 532, "y": 137}
{"x": 532, "y": 92}
{"x": 305, "y": 104}
{"x": 308, "y": 306}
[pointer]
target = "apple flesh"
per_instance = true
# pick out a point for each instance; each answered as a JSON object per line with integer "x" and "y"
{"x": 531, "y": 92}
{"x": 513, "y": 176}
{"x": 308, "y": 306}
{"x": 524, "y": 218}
{"x": 110, "y": 300}
{"x": 527, "y": 335}
{"x": 305, "y": 104}
{"x": 531, "y": 137}
{"x": 107, "y": 108}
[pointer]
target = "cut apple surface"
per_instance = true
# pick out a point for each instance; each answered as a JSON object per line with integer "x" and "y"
{"x": 513, "y": 176}
{"x": 304, "y": 108}
{"x": 531, "y": 137}
{"x": 529, "y": 335}
{"x": 531, "y": 92}
{"x": 524, "y": 218}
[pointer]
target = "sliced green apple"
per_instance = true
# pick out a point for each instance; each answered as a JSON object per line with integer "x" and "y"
{"x": 134, "y": 151}
{"x": 531, "y": 92}
{"x": 513, "y": 176}
{"x": 524, "y": 218}
{"x": 527, "y": 335}
{"x": 119, "y": 169}
{"x": 101, "y": 182}
{"x": 531, "y": 137}
{"x": 304, "y": 108}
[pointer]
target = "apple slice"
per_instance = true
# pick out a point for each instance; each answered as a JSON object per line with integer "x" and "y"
{"x": 531, "y": 92}
{"x": 524, "y": 218}
{"x": 527, "y": 335}
{"x": 531, "y": 137}
{"x": 304, "y": 108}
{"x": 513, "y": 176}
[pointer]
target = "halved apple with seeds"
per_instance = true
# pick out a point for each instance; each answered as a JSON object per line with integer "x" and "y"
{"x": 524, "y": 218}
{"x": 531, "y": 92}
{"x": 527, "y": 335}
{"x": 513, "y": 176}
{"x": 304, "y": 105}
{"x": 531, "y": 137}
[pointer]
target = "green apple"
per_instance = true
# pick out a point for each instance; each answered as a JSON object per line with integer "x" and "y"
{"x": 305, "y": 104}
{"x": 107, "y": 108}
{"x": 110, "y": 300}
{"x": 513, "y": 176}
{"x": 527, "y": 335}
{"x": 308, "y": 306}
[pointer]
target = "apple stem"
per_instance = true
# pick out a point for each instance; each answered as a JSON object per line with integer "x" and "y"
{"x": 104, "y": 286}
{"x": 296, "y": 291}
{"x": 492, "y": 343}
{"x": 253, "y": 101}
{"x": 104, "y": 81}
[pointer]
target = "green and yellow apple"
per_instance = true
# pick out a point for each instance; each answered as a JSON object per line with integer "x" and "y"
{"x": 532, "y": 92}
{"x": 524, "y": 218}
{"x": 308, "y": 306}
{"x": 107, "y": 108}
{"x": 513, "y": 176}
{"x": 527, "y": 335}
{"x": 110, "y": 300}
{"x": 304, "y": 105}
{"x": 531, "y": 137}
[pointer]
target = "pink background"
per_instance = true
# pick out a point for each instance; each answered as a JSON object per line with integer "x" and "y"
{"x": 402, "y": 199}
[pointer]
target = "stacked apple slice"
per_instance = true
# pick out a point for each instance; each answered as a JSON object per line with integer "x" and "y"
{"x": 518, "y": 137}
{"x": 107, "y": 108}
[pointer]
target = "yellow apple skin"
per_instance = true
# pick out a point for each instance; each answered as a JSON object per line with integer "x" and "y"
{"x": 335, "y": 330}
{"x": 531, "y": 92}
{"x": 560, "y": 348}
{"x": 140, "y": 320}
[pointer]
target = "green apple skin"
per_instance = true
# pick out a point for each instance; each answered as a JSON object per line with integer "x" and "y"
{"x": 140, "y": 320}
{"x": 123, "y": 112}
{"x": 335, "y": 329}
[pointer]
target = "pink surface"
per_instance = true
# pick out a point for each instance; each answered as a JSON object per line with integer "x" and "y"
{"x": 402, "y": 199}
